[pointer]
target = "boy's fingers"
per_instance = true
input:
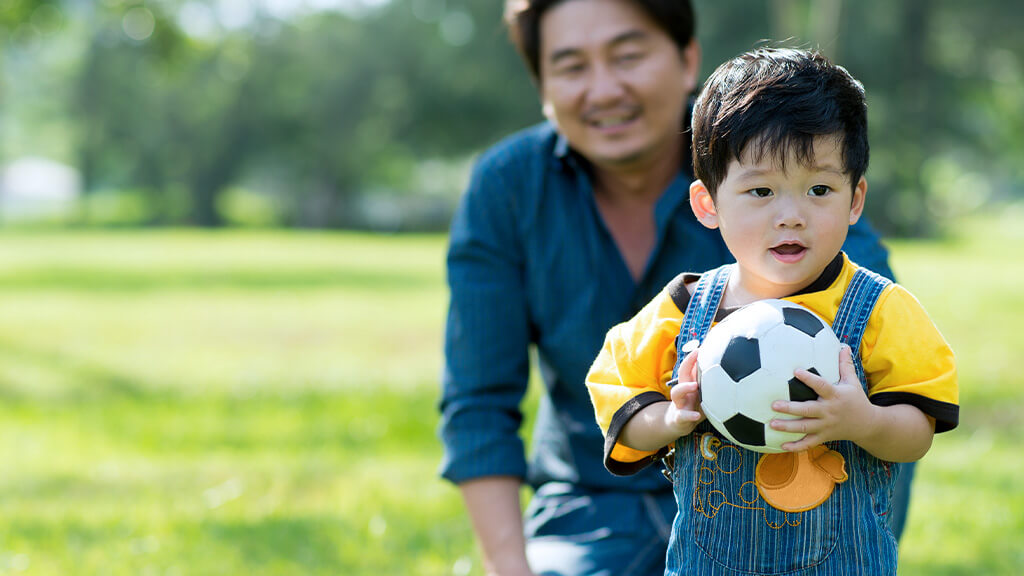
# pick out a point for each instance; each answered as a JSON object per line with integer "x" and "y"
{"x": 816, "y": 383}
{"x": 808, "y": 409}
{"x": 799, "y": 425}
{"x": 687, "y": 369}
{"x": 847, "y": 371}
{"x": 805, "y": 443}
{"x": 688, "y": 416}
{"x": 679, "y": 391}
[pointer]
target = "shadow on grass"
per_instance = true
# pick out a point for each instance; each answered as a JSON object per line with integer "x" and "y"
{"x": 308, "y": 543}
{"x": 110, "y": 406}
{"x": 95, "y": 380}
{"x": 297, "y": 545}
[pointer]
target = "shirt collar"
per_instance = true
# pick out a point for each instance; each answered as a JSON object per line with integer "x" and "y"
{"x": 824, "y": 280}
{"x": 827, "y": 277}
{"x": 677, "y": 193}
{"x": 561, "y": 150}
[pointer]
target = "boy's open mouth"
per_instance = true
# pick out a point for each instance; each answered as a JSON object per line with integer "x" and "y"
{"x": 788, "y": 249}
{"x": 788, "y": 252}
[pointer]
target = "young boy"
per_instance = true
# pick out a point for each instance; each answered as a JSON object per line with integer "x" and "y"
{"x": 780, "y": 150}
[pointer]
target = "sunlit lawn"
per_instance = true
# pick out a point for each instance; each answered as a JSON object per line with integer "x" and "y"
{"x": 264, "y": 403}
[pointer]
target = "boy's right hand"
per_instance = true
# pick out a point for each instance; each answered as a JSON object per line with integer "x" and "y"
{"x": 683, "y": 413}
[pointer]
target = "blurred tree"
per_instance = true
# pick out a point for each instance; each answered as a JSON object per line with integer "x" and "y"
{"x": 337, "y": 104}
{"x": 17, "y": 13}
{"x": 178, "y": 102}
{"x": 944, "y": 81}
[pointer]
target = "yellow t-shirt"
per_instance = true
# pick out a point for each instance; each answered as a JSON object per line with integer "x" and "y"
{"x": 905, "y": 358}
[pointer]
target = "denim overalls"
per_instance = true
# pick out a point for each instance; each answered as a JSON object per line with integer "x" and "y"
{"x": 724, "y": 526}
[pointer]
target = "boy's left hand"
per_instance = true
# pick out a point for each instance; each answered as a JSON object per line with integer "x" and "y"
{"x": 841, "y": 412}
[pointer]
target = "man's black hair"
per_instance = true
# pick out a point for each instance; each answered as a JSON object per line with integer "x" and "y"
{"x": 523, "y": 20}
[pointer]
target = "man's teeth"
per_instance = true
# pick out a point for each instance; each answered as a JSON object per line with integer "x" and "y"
{"x": 613, "y": 121}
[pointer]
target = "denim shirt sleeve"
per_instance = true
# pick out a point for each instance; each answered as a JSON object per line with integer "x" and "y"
{"x": 864, "y": 248}
{"x": 487, "y": 337}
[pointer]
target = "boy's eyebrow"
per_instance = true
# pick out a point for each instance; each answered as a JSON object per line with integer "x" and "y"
{"x": 755, "y": 172}
{"x": 827, "y": 168}
{"x": 570, "y": 51}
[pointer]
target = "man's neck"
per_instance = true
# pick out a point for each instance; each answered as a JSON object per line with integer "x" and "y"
{"x": 640, "y": 181}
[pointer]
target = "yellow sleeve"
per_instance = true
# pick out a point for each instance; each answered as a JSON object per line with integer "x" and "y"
{"x": 907, "y": 361}
{"x": 632, "y": 372}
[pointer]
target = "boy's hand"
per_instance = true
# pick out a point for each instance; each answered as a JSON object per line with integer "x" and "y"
{"x": 683, "y": 413}
{"x": 841, "y": 412}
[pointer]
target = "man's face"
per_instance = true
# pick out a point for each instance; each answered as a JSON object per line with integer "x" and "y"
{"x": 614, "y": 82}
{"x": 783, "y": 225}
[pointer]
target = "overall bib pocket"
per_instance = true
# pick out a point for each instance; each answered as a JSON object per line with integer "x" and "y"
{"x": 733, "y": 525}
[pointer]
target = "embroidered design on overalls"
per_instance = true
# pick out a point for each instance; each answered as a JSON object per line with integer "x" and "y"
{"x": 716, "y": 457}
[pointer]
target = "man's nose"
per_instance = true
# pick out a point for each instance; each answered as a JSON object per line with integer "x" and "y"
{"x": 605, "y": 86}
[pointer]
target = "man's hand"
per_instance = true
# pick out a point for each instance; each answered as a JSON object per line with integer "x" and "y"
{"x": 493, "y": 506}
{"x": 841, "y": 412}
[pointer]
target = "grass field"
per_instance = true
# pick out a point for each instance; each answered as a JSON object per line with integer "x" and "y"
{"x": 264, "y": 403}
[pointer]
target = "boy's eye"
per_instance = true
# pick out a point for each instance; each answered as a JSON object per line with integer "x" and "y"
{"x": 761, "y": 192}
{"x": 819, "y": 190}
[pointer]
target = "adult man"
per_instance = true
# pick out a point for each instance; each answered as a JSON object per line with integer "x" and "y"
{"x": 565, "y": 230}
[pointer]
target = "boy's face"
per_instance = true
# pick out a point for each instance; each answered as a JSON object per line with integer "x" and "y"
{"x": 782, "y": 226}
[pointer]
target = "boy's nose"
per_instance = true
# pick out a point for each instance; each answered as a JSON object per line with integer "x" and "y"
{"x": 790, "y": 221}
{"x": 788, "y": 215}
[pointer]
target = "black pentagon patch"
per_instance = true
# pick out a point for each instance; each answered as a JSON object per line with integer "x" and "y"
{"x": 803, "y": 321}
{"x": 741, "y": 358}
{"x": 800, "y": 392}
{"x": 745, "y": 430}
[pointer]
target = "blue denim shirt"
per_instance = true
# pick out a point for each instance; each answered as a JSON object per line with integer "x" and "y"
{"x": 531, "y": 263}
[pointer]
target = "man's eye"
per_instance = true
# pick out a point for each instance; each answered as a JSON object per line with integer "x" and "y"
{"x": 629, "y": 57}
{"x": 819, "y": 190}
{"x": 570, "y": 69}
{"x": 761, "y": 192}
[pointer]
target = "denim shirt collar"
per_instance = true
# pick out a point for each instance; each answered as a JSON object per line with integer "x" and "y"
{"x": 677, "y": 192}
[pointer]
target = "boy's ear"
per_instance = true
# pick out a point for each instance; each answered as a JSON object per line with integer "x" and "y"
{"x": 703, "y": 205}
{"x": 860, "y": 195}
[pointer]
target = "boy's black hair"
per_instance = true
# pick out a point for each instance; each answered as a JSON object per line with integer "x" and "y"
{"x": 777, "y": 100}
{"x": 523, "y": 20}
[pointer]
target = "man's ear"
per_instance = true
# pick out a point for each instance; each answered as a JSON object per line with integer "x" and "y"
{"x": 703, "y": 205}
{"x": 691, "y": 56}
{"x": 860, "y": 195}
{"x": 548, "y": 110}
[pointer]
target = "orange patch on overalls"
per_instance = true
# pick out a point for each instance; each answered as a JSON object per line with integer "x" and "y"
{"x": 795, "y": 482}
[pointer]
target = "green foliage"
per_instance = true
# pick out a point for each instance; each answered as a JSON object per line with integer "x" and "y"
{"x": 264, "y": 403}
{"x": 242, "y": 207}
{"x": 319, "y": 108}
{"x": 14, "y": 13}
{"x": 312, "y": 110}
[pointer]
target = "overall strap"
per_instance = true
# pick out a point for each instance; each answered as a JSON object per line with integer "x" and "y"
{"x": 700, "y": 312}
{"x": 855, "y": 310}
{"x": 697, "y": 319}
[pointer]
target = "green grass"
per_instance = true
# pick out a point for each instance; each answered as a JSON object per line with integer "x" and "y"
{"x": 264, "y": 403}
{"x": 967, "y": 514}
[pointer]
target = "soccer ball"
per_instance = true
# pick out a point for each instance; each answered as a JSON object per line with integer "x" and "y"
{"x": 747, "y": 361}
